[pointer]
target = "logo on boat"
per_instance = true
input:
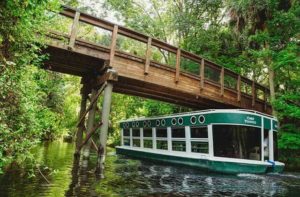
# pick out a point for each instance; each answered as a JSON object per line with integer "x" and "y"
{"x": 250, "y": 120}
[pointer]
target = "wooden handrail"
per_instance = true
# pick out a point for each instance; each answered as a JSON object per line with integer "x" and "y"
{"x": 178, "y": 57}
{"x": 153, "y": 42}
{"x": 148, "y": 55}
{"x": 253, "y": 91}
{"x": 222, "y": 81}
{"x": 239, "y": 88}
{"x": 113, "y": 45}
{"x": 74, "y": 30}
{"x": 202, "y": 65}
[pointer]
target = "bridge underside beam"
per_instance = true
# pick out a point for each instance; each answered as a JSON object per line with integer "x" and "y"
{"x": 147, "y": 90}
{"x": 69, "y": 62}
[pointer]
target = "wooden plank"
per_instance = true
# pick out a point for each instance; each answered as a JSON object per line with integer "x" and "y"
{"x": 93, "y": 142}
{"x": 148, "y": 56}
{"x": 68, "y": 12}
{"x": 91, "y": 104}
{"x": 191, "y": 56}
{"x": 253, "y": 90}
{"x": 202, "y": 74}
{"x": 84, "y": 96}
{"x": 88, "y": 136}
{"x": 74, "y": 30}
{"x": 113, "y": 45}
{"x": 94, "y": 145}
{"x": 108, "y": 76}
{"x": 265, "y": 99}
{"x": 163, "y": 45}
{"x": 178, "y": 54}
{"x": 222, "y": 81}
{"x": 239, "y": 88}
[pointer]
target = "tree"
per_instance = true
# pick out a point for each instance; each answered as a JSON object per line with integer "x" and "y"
{"x": 29, "y": 105}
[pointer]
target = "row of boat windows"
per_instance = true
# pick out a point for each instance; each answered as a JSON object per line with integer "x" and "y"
{"x": 196, "y": 132}
{"x": 231, "y": 141}
{"x": 162, "y": 142}
{"x": 196, "y": 147}
{"x": 162, "y": 122}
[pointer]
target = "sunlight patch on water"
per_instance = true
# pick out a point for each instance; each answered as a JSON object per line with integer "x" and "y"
{"x": 251, "y": 176}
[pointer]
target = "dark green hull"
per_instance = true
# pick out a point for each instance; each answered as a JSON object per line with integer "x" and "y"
{"x": 208, "y": 165}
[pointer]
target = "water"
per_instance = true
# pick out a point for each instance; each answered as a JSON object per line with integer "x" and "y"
{"x": 128, "y": 177}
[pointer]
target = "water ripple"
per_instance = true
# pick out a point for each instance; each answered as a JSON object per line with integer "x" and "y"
{"x": 130, "y": 177}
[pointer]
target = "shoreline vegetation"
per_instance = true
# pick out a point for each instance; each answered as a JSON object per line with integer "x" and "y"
{"x": 257, "y": 39}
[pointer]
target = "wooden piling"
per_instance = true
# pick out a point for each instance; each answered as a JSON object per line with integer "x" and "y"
{"x": 90, "y": 123}
{"x": 202, "y": 74}
{"x": 79, "y": 134}
{"x": 113, "y": 77}
{"x": 104, "y": 127}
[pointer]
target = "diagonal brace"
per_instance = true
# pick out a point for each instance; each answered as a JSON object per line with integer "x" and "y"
{"x": 91, "y": 104}
{"x": 88, "y": 136}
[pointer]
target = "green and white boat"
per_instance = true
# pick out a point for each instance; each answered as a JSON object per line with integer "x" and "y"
{"x": 226, "y": 141}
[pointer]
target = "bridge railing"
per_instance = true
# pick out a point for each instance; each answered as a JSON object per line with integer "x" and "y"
{"x": 143, "y": 47}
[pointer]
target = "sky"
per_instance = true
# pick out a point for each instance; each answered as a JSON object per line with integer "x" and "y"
{"x": 96, "y": 8}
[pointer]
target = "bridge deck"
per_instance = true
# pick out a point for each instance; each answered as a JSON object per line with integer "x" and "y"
{"x": 141, "y": 75}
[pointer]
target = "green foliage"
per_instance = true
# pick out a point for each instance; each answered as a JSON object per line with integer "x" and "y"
{"x": 29, "y": 104}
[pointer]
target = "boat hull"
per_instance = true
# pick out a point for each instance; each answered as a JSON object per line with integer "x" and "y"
{"x": 204, "y": 164}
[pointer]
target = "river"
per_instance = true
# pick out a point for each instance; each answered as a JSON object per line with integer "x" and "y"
{"x": 129, "y": 177}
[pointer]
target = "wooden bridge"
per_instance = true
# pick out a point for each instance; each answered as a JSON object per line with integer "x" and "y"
{"x": 212, "y": 86}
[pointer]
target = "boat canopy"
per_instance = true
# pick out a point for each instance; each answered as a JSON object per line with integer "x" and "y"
{"x": 206, "y": 117}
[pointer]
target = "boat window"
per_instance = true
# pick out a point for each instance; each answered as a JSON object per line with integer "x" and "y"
{"x": 136, "y": 132}
{"x": 126, "y": 132}
{"x": 144, "y": 124}
{"x": 193, "y": 119}
{"x": 236, "y": 141}
{"x": 178, "y": 146}
{"x": 162, "y": 144}
{"x": 148, "y": 144}
{"x": 199, "y": 132}
{"x": 178, "y": 132}
{"x": 126, "y": 142}
{"x": 147, "y": 132}
{"x": 266, "y": 144}
{"x": 136, "y": 142}
{"x": 199, "y": 147}
{"x": 161, "y": 132}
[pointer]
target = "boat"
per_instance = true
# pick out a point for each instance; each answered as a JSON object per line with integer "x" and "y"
{"x": 219, "y": 140}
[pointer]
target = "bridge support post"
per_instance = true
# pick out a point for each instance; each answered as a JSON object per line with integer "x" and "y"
{"x": 84, "y": 96}
{"x": 90, "y": 125}
{"x": 111, "y": 76}
{"x": 104, "y": 128}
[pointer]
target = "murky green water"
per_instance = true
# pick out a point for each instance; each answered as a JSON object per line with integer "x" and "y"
{"x": 128, "y": 177}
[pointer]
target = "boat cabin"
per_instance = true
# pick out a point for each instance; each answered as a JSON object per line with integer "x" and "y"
{"x": 234, "y": 136}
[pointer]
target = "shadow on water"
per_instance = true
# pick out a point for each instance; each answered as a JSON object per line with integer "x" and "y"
{"x": 129, "y": 177}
